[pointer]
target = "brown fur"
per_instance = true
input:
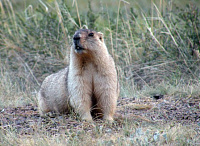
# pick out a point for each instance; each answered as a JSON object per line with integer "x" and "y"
{"x": 88, "y": 85}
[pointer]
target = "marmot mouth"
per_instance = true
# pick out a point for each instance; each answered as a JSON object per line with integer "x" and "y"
{"x": 78, "y": 49}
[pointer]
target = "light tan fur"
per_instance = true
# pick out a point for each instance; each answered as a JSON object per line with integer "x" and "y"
{"x": 88, "y": 85}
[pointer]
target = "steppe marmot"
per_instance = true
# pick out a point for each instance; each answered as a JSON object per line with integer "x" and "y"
{"x": 89, "y": 84}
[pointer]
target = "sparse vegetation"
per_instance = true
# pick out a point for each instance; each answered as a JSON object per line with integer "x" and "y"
{"x": 156, "y": 50}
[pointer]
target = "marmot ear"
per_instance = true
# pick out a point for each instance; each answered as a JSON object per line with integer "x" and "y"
{"x": 101, "y": 36}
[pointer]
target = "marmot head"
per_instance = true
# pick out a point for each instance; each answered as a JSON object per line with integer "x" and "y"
{"x": 86, "y": 40}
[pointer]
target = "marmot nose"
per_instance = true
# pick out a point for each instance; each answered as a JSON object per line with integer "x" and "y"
{"x": 76, "y": 37}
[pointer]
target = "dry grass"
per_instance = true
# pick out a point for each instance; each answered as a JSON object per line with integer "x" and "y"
{"x": 129, "y": 133}
{"x": 153, "y": 49}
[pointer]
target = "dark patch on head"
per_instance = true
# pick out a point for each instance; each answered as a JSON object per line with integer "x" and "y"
{"x": 85, "y": 30}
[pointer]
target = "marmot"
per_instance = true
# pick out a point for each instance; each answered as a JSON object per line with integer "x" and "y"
{"x": 89, "y": 84}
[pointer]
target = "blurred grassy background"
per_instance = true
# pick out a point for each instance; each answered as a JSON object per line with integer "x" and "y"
{"x": 155, "y": 45}
{"x": 153, "y": 42}
{"x": 20, "y": 5}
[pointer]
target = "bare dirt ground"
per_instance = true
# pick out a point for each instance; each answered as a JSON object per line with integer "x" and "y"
{"x": 26, "y": 120}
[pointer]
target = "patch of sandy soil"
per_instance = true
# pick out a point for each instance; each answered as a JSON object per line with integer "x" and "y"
{"x": 26, "y": 120}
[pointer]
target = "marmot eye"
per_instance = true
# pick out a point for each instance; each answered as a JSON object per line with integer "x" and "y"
{"x": 91, "y": 34}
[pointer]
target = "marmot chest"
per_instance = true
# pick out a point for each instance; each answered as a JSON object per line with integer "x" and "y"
{"x": 89, "y": 71}
{"x": 92, "y": 75}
